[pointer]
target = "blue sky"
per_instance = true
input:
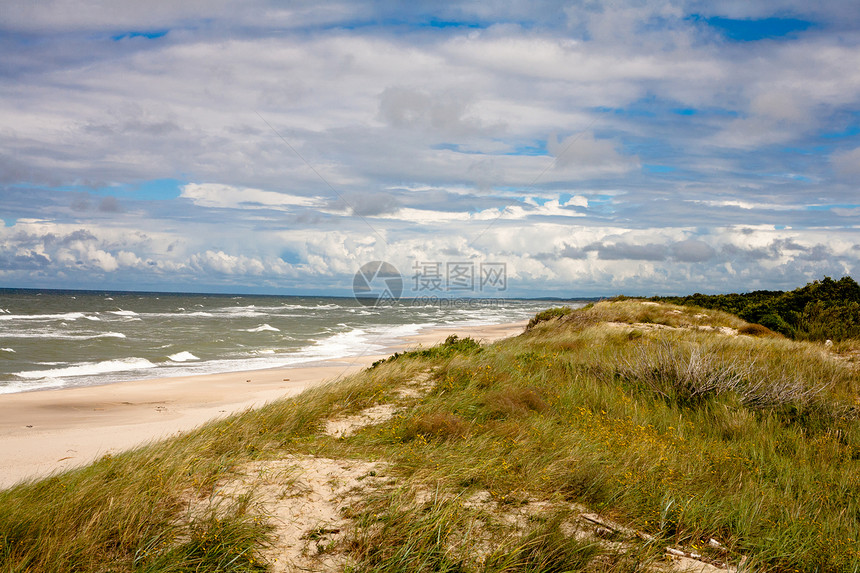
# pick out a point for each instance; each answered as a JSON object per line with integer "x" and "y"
{"x": 641, "y": 147}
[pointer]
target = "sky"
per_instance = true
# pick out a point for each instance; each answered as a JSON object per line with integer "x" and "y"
{"x": 584, "y": 148}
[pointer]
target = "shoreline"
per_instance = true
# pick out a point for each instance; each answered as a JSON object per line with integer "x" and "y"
{"x": 43, "y": 432}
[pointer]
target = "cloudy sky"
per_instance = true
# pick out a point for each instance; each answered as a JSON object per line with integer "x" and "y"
{"x": 593, "y": 148}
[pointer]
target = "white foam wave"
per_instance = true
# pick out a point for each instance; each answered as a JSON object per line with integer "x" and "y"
{"x": 180, "y": 314}
{"x": 62, "y": 316}
{"x": 263, "y": 328}
{"x": 351, "y": 343}
{"x": 400, "y": 330}
{"x": 123, "y": 312}
{"x": 15, "y": 387}
{"x": 89, "y": 368}
{"x": 244, "y": 313}
{"x": 55, "y": 335}
{"x": 184, "y": 356}
{"x": 93, "y": 318}
{"x": 7, "y": 349}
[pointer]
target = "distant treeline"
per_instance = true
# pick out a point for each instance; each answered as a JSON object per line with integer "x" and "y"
{"x": 821, "y": 310}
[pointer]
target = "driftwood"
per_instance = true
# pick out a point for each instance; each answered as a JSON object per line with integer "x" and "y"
{"x": 608, "y": 528}
{"x": 615, "y": 528}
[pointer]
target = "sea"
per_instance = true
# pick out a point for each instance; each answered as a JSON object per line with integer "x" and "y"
{"x": 56, "y": 339}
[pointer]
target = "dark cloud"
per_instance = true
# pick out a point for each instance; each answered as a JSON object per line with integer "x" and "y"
{"x": 367, "y": 204}
{"x": 692, "y": 251}
{"x": 735, "y": 253}
{"x": 79, "y": 235}
{"x": 571, "y": 252}
{"x": 81, "y": 202}
{"x": 628, "y": 251}
{"x": 787, "y": 245}
{"x": 777, "y": 248}
{"x": 109, "y": 205}
{"x": 25, "y": 262}
{"x": 816, "y": 253}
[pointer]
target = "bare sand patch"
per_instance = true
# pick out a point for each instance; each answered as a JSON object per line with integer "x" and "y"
{"x": 347, "y": 426}
{"x": 307, "y": 500}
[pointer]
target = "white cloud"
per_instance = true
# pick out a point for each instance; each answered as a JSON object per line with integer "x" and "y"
{"x": 843, "y": 212}
{"x": 432, "y": 136}
{"x": 227, "y": 196}
{"x": 747, "y": 205}
{"x": 221, "y": 262}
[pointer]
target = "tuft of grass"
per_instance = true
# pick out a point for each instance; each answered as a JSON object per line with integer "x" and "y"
{"x": 758, "y": 330}
{"x": 398, "y": 535}
{"x": 453, "y": 345}
{"x": 548, "y": 314}
{"x": 436, "y": 425}
{"x": 546, "y": 549}
{"x": 690, "y": 374}
{"x": 513, "y": 401}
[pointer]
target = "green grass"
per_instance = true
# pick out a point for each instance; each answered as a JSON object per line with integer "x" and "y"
{"x": 681, "y": 433}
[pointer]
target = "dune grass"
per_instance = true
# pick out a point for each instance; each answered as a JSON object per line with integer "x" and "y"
{"x": 682, "y": 433}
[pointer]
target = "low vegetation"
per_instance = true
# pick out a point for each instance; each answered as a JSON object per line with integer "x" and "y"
{"x": 549, "y": 314}
{"x": 691, "y": 427}
{"x": 821, "y": 310}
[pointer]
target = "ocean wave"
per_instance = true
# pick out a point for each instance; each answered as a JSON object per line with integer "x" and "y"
{"x": 7, "y": 350}
{"x": 55, "y": 335}
{"x": 263, "y": 328}
{"x": 89, "y": 368}
{"x": 240, "y": 313}
{"x": 61, "y": 316}
{"x": 355, "y": 341}
{"x": 180, "y": 314}
{"x": 16, "y": 387}
{"x": 128, "y": 313}
{"x": 398, "y": 331}
{"x": 183, "y": 356}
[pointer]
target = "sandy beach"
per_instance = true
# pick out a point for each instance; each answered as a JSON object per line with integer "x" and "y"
{"x": 49, "y": 431}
